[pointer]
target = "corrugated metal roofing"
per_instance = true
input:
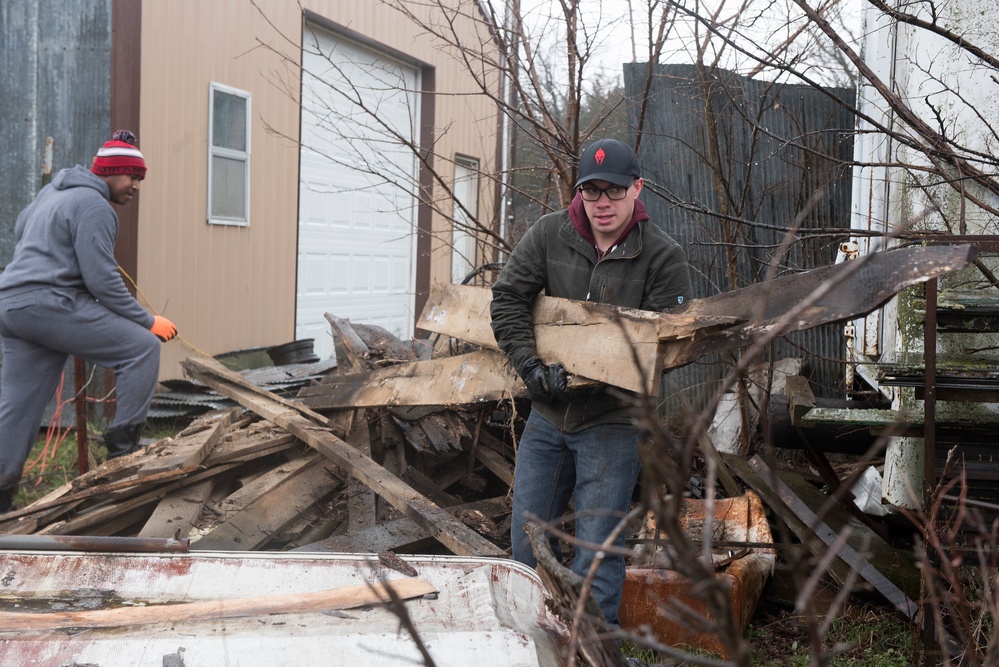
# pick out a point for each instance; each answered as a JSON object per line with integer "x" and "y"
{"x": 777, "y": 145}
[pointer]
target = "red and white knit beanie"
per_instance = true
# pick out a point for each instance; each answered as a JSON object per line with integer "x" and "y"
{"x": 119, "y": 156}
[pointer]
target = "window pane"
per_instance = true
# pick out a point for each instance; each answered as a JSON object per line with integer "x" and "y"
{"x": 228, "y": 188}
{"x": 229, "y": 121}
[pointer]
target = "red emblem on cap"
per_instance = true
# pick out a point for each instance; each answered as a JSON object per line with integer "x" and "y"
{"x": 599, "y": 156}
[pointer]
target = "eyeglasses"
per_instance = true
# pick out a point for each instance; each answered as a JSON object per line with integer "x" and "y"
{"x": 614, "y": 193}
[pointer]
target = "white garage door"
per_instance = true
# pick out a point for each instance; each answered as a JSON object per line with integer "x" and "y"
{"x": 357, "y": 201}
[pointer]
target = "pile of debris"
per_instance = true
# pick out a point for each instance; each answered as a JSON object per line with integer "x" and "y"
{"x": 412, "y": 428}
{"x": 277, "y": 475}
{"x": 397, "y": 450}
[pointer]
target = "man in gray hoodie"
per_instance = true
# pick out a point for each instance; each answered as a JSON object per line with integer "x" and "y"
{"x": 62, "y": 294}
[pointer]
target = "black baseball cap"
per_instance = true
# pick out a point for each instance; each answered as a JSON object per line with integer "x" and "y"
{"x": 609, "y": 160}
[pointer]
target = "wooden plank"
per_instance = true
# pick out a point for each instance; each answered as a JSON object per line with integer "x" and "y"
{"x": 490, "y": 457}
{"x": 361, "y": 505}
{"x": 177, "y": 511}
{"x": 345, "y": 597}
{"x": 263, "y": 483}
{"x": 252, "y": 447}
{"x": 565, "y": 330}
{"x": 191, "y": 450}
{"x": 429, "y": 488}
{"x": 130, "y": 484}
{"x": 352, "y": 355}
{"x": 351, "y": 352}
{"x": 238, "y": 380}
{"x": 117, "y": 469}
{"x": 116, "y": 524}
{"x": 596, "y": 340}
{"x": 808, "y": 526}
{"x": 862, "y": 417}
{"x": 462, "y": 311}
{"x": 800, "y": 398}
{"x": 253, "y": 526}
{"x": 455, "y": 536}
{"x": 132, "y": 497}
{"x": 28, "y": 525}
{"x": 477, "y": 377}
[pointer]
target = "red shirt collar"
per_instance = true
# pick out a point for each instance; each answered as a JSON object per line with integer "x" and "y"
{"x": 581, "y": 221}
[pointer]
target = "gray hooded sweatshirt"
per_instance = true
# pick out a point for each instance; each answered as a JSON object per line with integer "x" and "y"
{"x": 65, "y": 242}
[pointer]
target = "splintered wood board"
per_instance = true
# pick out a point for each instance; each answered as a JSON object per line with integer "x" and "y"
{"x": 630, "y": 348}
{"x": 190, "y": 450}
{"x": 290, "y": 490}
{"x": 451, "y": 533}
{"x": 345, "y": 597}
{"x": 618, "y": 346}
{"x": 476, "y": 377}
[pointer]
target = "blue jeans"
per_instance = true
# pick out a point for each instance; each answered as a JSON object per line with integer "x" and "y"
{"x": 598, "y": 465}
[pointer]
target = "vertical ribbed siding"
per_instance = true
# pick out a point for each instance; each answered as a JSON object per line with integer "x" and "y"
{"x": 774, "y": 147}
{"x": 55, "y": 63}
{"x": 54, "y": 82}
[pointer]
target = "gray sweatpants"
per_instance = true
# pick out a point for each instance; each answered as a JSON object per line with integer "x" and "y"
{"x": 40, "y": 330}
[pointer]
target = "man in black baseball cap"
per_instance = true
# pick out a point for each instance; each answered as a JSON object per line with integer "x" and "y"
{"x": 609, "y": 160}
{"x": 602, "y": 248}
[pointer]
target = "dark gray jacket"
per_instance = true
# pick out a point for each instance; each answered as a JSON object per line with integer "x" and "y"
{"x": 65, "y": 243}
{"x": 647, "y": 270}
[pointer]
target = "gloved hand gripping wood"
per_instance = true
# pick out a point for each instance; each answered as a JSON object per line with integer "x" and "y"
{"x": 547, "y": 383}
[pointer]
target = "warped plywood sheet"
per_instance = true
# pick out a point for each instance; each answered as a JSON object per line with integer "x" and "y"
{"x": 477, "y": 377}
{"x": 619, "y": 346}
{"x": 827, "y": 295}
{"x": 630, "y": 348}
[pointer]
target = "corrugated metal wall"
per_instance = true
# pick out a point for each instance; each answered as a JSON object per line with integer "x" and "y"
{"x": 55, "y": 81}
{"x": 771, "y": 147}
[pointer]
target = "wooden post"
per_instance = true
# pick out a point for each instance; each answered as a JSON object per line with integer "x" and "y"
{"x": 79, "y": 371}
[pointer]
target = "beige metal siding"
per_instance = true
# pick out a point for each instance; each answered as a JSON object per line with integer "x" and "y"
{"x": 230, "y": 288}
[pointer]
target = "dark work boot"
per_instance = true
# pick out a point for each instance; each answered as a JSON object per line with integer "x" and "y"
{"x": 121, "y": 440}
{"x": 6, "y": 500}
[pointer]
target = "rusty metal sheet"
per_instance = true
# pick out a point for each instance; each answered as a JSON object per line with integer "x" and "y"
{"x": 488, "y": 611}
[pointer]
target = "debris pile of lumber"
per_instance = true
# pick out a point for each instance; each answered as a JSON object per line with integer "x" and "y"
{"x": 402, "y": 449}
{"x": 276, "y": 474}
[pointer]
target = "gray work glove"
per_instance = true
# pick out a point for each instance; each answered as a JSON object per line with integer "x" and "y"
{"x": 547, "y": 383}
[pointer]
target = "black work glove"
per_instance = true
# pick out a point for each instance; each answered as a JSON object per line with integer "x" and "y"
{"x": 558, "y": 382}
{"x": 546, "y": 383}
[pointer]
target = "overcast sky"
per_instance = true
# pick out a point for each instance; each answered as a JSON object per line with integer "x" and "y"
{"x": 618, "y": 33}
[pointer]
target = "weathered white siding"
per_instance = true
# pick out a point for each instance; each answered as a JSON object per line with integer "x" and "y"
{"x": 945, "y": 88}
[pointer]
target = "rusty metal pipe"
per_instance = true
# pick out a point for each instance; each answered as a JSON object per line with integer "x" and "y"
{"x": 93, "y": 543}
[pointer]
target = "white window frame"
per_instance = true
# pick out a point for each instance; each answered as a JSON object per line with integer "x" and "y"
{"x": 463, "y": 243}
{"x": 228, "y": 153}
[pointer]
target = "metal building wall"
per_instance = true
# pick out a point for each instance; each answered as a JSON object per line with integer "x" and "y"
{"x": 55, "y": 81}
{"x": 774, "y": 147}
{"x": 231, "y": 288}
